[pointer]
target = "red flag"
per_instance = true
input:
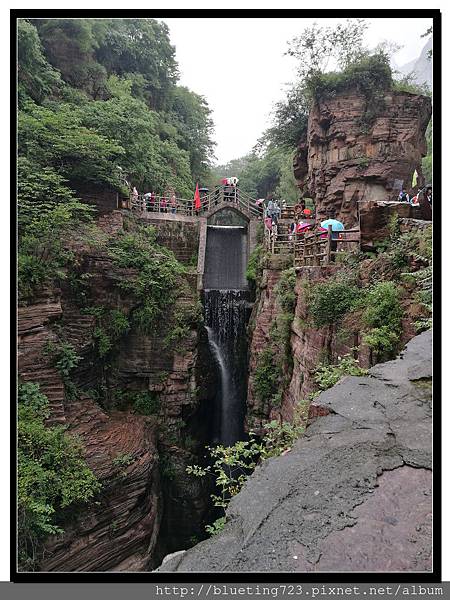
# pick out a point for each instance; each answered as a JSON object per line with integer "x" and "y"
{"x": 197, "y": 201}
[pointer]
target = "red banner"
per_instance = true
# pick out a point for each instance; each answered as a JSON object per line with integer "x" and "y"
{"x": 197, "y": 201}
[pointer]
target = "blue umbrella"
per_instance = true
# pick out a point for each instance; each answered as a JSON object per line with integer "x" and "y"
{"x": 335, "y": 225}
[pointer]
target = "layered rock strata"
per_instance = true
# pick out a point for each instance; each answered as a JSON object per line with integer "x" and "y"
{"x": 140, "y": 460}
{"x": 347, "y": 161}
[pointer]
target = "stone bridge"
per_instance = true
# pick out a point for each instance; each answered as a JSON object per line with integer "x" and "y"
{"x": 184, "y": 229}
{"x": 229, "y": 197}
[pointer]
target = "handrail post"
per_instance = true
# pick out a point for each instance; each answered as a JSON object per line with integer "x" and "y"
{"x": 329, "y": 237}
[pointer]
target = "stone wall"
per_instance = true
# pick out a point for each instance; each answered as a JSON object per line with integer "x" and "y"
{"x": 346, "y": 161}
{"x": 179, "y": 233}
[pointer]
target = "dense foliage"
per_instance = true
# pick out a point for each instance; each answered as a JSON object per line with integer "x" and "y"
{"x": 96, "y": 94}
{"x": 156, "y": 276}
{"x": 273, "y": 370}
{"x": 331, "y": 300}
{"x": 52, "y": 475}
{"x": 99, "y": 106}
{"x": 255, "y": 264}
{"x": 328, "y": 375}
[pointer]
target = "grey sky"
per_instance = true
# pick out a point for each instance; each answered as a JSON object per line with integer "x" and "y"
{"x": 240, "y": 67}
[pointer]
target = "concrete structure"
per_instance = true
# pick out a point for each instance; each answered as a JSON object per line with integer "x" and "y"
{"x": 198, "y": 226}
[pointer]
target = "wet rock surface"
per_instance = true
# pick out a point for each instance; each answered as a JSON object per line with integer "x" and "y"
{"x": 354, "y": 494}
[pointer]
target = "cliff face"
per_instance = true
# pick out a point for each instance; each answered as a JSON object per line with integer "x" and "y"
{"x": 140, "y": 460}
{"x": 263, "y": 318}
{"x": 347, "y": 160}
{"x": 353, "y": 494}
{"x": 308, "y": 346}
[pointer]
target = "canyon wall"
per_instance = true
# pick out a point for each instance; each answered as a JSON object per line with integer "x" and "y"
{"x": 308, "y": 346}
{"x": 349, "y": 159}
{"x": 148, "y": 505}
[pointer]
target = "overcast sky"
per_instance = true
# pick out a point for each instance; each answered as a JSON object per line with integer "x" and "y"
{"x": 239, "y": 66}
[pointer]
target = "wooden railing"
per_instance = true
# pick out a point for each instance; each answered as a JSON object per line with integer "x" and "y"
{"x": 311, "y": 248}
{"x": 315, "y": 250}
{"x": 224, "y": 196}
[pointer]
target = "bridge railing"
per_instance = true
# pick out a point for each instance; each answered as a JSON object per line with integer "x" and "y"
{"x": 162, "y": 204}
{"x": 221, "y": 196}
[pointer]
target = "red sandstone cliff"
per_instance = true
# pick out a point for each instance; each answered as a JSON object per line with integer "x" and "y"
{"x": 121, "y": 528}
{"x": 309, "y": 345}
{"x": 346, "y": 160}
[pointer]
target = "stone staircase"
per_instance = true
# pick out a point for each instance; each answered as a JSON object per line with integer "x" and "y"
{"x": 77, "y": 326}
{"x": 50, "y": 384}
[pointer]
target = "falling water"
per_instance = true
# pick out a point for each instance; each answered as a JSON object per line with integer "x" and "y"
{"x": 225, "y": 319}
{"x": 226, "y": 309}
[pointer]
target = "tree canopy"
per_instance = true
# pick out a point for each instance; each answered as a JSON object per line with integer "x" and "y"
{"x": 96, "y": 94}
{"x": 98, "y": 100}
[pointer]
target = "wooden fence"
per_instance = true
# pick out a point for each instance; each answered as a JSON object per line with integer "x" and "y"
{"x": 312, "y": 248}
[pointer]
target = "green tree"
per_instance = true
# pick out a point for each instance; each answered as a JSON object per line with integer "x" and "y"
{"x": 70, "y": 46}
{"x": 140, "y": 47}
{"x": 57, "y": 139}
{"x": 37, "y": 79}
{"x": 190, "y": 115}
{"x": 39, "y": 190}
{"x": 152, "y": 163}
{"x": 287, "y": 188}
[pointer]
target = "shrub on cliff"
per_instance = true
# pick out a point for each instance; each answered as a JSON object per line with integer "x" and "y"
{"x": 52, "y": 475}
{"x": 285, "y": 290}
{"x": 382, "y": 306}
{"x": 254, "y": 265}
{"x": 331, "y": 300}
{"x": 368, "y": 75}
{"x": 234, "y": 464}
{"x": 157, "y": 274}
{"x": 110, "y": 326}
{"x": 383, "y": 314}
{"x": 43, "y": 256}
{"x": 328, "y": 375}
{"x": 267, "y": 375}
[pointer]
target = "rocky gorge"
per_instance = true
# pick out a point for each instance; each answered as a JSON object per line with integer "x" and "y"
{"x": 128, "y": 371}
{"x": 138, "y": 454}
{"x": 353, "y": 494}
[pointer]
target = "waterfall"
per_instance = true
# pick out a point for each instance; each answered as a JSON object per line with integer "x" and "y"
{"x": 225, "y": 321}
{"x": 226, "y": 310}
